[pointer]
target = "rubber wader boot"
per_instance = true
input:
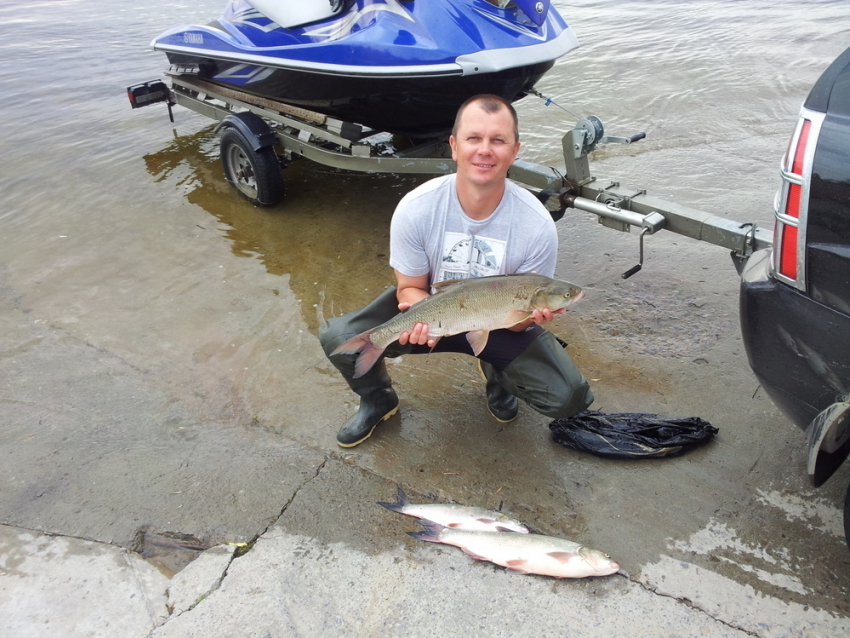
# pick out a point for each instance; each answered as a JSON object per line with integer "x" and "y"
{"x": 502, "y": 404}
{"x": 378, "y": 402}
{"x": 545, "y": 377}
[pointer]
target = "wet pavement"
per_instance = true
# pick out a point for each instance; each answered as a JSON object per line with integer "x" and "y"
{"x": 163, "y": 393}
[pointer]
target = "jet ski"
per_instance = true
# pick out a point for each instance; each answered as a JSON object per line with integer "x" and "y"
{"x": 401, "y": 66}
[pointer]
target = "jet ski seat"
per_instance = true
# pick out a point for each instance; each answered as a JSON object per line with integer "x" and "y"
{"x": 295, "y": 13}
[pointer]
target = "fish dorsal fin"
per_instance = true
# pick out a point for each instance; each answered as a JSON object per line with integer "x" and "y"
{"x": 440, "y": 286}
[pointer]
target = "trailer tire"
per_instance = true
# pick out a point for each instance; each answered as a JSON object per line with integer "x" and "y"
{"x": 255, "y": 174}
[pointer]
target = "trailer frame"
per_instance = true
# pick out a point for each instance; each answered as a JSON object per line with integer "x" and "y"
{"x": 344, "y": 145}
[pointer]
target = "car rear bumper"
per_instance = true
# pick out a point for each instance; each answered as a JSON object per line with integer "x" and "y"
{"x": 798, "y": 348}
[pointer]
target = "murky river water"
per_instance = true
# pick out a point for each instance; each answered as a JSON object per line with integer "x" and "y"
{"x": 78, "y": 168}
{"x": 97, "y": 198}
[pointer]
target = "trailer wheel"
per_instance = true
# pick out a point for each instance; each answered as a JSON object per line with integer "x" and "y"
{"x": 255, "y": 174}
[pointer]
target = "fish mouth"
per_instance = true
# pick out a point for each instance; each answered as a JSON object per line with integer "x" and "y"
{"x": 579, "y": 296}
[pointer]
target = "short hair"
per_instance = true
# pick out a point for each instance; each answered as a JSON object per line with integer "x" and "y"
{"x": 491, "y": 104}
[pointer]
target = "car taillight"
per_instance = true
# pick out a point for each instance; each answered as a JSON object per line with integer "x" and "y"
{"x": 789, "y": 238}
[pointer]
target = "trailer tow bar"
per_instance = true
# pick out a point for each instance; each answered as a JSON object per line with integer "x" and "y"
{"x": 620, "y": 207}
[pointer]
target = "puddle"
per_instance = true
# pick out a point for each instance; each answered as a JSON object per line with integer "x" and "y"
{"x": 169, "y": 552}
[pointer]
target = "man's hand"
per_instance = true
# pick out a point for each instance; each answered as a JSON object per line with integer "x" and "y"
{"x": 409, "y": 291}
{"x": 419, "y": 335}
{"x": 538, "y": 317}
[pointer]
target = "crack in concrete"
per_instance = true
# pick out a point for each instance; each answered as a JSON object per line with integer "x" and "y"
{"x": 247, "y": 547}
{"x": 61, "y": 535}
{"x": 286, "y": 505}
{"x": 685, "y": 601}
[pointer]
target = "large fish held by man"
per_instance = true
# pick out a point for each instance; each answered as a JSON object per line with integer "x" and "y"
{"x": 474, "y": 306}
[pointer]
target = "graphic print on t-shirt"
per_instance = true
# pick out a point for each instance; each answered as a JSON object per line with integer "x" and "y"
{"x": 470, "y": 256}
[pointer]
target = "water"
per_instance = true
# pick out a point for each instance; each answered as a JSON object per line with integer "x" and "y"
{"x": 730, "y": 73}
{"x": 87, "y": 182}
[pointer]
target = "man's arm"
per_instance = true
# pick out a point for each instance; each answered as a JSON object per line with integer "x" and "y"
{"x": 409, "y": 290}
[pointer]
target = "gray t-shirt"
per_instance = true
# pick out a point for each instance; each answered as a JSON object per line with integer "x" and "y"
{"x": 430, "y": 233}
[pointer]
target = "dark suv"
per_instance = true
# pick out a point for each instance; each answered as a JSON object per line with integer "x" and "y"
{"x": 795, "y": 296}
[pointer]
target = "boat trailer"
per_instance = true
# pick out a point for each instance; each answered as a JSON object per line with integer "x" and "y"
{"x": 252, "y": 128}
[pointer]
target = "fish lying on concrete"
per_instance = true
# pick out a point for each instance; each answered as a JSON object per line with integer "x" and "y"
{"x": 458, "y": 517}
{"x": 524, "y": 553}
{"x": 475, "y": 306}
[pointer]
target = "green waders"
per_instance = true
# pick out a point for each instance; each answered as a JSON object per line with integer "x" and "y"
{"x": 543, "y": 374}
{"x": 378, "y": 400}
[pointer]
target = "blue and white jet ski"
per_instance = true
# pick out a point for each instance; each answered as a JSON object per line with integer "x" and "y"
{"x": 402, "y": 66}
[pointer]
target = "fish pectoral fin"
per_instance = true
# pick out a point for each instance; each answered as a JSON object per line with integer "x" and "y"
{"x": 486, "y": 521}
{"x": 500, "y": 528}
{"x": 516, "y": 562}
{"x": 516, "y": 316}
{"x": 478, "y": 340}
{"x": 562, "y": 557}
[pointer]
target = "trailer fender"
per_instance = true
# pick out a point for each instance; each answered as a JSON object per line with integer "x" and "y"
{"x": 254, "y": 128}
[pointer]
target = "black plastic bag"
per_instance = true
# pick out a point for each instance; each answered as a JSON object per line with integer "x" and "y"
{"x": 631, "y": 435}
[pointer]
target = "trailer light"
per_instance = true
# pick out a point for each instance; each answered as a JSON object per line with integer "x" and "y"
{"x": 148, "y": 93}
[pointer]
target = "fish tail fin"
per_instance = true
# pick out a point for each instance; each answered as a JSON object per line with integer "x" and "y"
{"x": 369, "y": 356}
{"x": 399, "y": 505}
{"x": 431, "y": 533}
{"x": 369, "y": 353}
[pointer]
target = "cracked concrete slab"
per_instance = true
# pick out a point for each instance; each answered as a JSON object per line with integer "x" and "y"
{"x": 365, "y": 577}
{"x": 59, "y": 586}
{"x": 112, "y": 451}
{"x": 740, "y": 605}
{"x": 197, "y": 580}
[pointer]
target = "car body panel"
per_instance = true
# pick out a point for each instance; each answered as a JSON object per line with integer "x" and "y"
{"x": 798, "y": 348}
{"x": 796, "y": 328}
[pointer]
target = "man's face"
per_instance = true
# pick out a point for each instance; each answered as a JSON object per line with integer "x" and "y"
{"x": 485, "y": 146}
